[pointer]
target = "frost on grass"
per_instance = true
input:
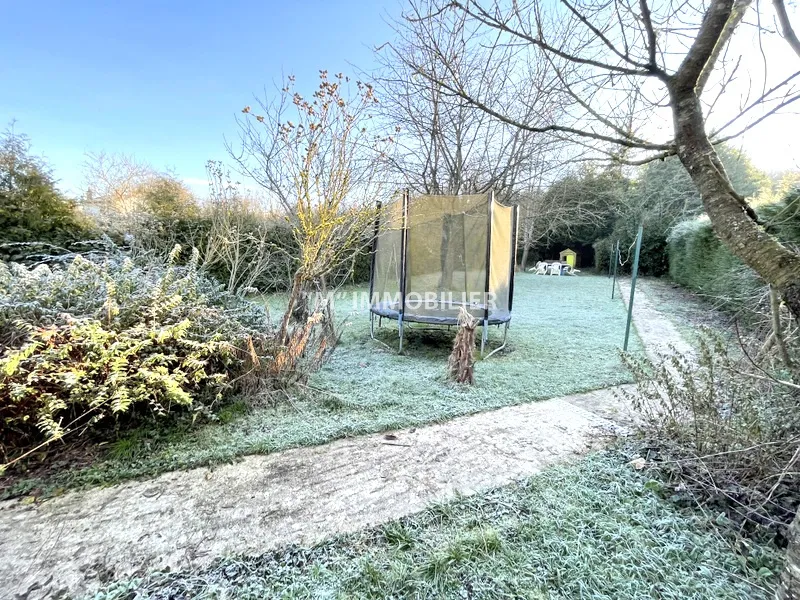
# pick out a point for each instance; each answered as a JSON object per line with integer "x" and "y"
{"x": 590, "y": 530}
{"x": 564, "y": 339}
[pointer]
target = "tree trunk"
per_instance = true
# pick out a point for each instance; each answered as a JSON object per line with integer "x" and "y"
{"x": 732, "y": 218}
{"x": 777, "y": 329}
{"x": 789, "y": 587}
{"x": 523, "y": 264}
{"x": 296, "y": 303}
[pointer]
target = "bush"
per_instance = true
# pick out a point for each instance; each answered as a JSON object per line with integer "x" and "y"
{"x": 243, "y": 248}
{"x": 71, "y": 376}
{"x": 122, "y": 292}
{"x": 652, "y": 258}
{"x": 362, "y": 266}
{"x": 783, "y": 218}
{"x": 661, "y": 196}
{"x": 249, "y": 250}
{"x": 699, "y": 261}
{"x": 97, "y": 340}
{"x": 241, "y": 243}
{"x": 724, "y": 432}
{"x": 31, "y": 208}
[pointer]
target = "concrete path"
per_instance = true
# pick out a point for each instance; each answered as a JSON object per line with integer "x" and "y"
{"x": 185, "y": 519}
{"x": 658, "y": 334}
{"x": 71, "y": 544}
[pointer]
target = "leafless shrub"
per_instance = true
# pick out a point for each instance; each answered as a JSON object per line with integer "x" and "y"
{"x": 317, "y": 158}
{"x": 725, "y": 431}
{"x": 241, "y": 240}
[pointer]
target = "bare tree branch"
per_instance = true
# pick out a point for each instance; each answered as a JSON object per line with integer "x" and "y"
{"x": 786, "y": 26}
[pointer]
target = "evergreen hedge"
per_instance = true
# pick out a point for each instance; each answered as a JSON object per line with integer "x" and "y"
{"x": 699, "y": 261}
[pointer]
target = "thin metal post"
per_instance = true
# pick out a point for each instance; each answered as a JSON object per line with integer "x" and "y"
{"x": 485, "y": 332}
{"x": 374, "y": 250}
{"x": 634, "y": 275}
{"x": 403, "y": 267}
{"x": 372, "y": 269}
{"x": 614, "y": 280}
{"x": 514, "y": 242}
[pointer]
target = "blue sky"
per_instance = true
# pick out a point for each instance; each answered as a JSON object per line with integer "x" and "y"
{"x": 163, "y": 80}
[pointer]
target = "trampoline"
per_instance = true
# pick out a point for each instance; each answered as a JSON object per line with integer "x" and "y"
{"x": 431, "y": 255}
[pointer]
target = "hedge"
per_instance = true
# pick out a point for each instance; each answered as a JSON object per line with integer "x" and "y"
{"x": 699, "y": 261}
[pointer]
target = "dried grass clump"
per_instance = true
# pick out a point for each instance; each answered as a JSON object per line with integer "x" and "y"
{"x": 460, "y": 365}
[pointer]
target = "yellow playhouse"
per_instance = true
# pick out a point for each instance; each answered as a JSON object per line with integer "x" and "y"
{"x": 568, "y": 256}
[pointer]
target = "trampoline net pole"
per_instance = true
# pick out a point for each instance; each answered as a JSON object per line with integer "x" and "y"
{"x": 403, "y": 266}
{"x": 374, "y": 250}
{"x": 489, "y": 216}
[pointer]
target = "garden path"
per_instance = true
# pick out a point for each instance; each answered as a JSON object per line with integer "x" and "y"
{"x": 71, "y": 544}
{"x": 659, "y": 335}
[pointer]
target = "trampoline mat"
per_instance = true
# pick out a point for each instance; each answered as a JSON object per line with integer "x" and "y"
{"x": 441, "y": 314}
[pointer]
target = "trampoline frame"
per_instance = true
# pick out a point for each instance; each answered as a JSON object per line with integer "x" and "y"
{"x": 402, "y": 317}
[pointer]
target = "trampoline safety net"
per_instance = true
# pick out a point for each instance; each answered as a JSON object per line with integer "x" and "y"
{"x": 454, "y": 251}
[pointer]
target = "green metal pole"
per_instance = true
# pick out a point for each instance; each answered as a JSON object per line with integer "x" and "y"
{"x": 634, "y": 275}
{"x": 616, "y": 262}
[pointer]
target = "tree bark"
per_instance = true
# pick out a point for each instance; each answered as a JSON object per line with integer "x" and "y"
{"x": 789, "y": 587}
{"x": 732, "y": 218}
{"x": 295, "y": 309}
{"x": 777, "y": 329}
{"x": 523, "y": 264}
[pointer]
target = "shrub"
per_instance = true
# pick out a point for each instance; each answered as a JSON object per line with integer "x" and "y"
{"x": 31, "y": 208}
{"x": 68, "y": 377}
{"x": 240, "y": 244}
{"x": 724, "y": 432}
{"x": 122, "y": 292}
{"x": 661, "y": 196}
{"x": 652, "y": 258}
{"x": 699, "y": 261}
{"x": 362, "y": 265}
{"x": 783, "y": 218}
{"x": 96, "y": 340}
{"x": 166, "y": 198}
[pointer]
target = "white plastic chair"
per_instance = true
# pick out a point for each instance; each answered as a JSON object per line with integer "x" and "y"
{"x": 555, "y": 268}
{"x": 541, "y": 268}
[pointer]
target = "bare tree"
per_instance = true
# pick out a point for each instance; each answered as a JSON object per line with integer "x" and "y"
{"x": 115, "y": 183}
{"x": 444, "y": 144}
{"x": 619, "y": 62}
{"x": 319, "y": 159}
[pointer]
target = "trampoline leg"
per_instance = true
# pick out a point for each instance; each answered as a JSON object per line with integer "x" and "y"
{"x": 505, "y": 335}
{"x": 372, "y": 325}
{"x": 400, "y": 323}
{"x": 484, "y": 335}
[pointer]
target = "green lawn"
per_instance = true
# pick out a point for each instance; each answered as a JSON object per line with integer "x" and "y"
{"x": 564, "y": 338}
{"x": 596, "y": 529}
